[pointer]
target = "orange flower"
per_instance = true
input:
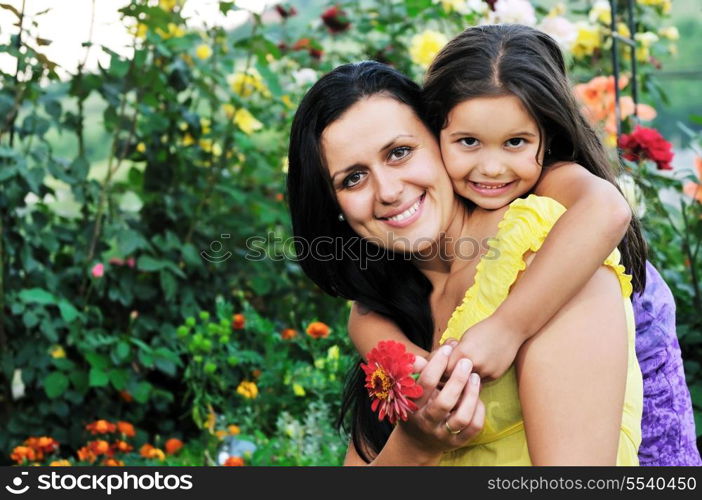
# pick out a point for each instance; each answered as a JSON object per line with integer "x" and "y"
{"x": 279, "y": 196}
{"x": 238, "y": 322}
{"x": 173, "y": 446}
{"x": 113, "y": 462}
{"x": 60, "y": 463}
{"x": 148, "y": 451}
{"x": 22, "y": 453}
{"x": 100, "y": 447}
{"x": 126, "y": 428}
{"x": 256, "y": 373}
{"x": 46, "y": 444}
{"x": 100, "y": 427}
{"x": 288, "y": 334}
{"x": 145, "y": 450}
{"x": 85, "y": 454}
{"x": 126, "y": 396}
{"x": 233, "y": 430}
{"x": 234, "y": 462}
{"x": 220, "y": 434}
{"x": 317, "y": 330}
{"x": 122, "y": 446}
{"x": 694, "y": 189}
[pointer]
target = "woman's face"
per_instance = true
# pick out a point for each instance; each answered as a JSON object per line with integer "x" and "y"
{"x": 387, "y": 173}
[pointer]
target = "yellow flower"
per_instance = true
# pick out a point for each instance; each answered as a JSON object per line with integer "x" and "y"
{"x": 286, "y": 100}
{"x": 247, "y": 389}
{"x": 298, "y": 390}
{"x": 601, "y": 12}
{"x": 670, "y": 33}
{"x": 246, "y": 121}
{"x": 140, "y": 30}
{"x": 587, "y": 41}
{"x": 319, "y": 363}
{"x": 233, "y": 429}
{"x": 206, "y": 145}
{"x": 216, "y": 149}
{"x": 333, "y": 352}
{"x": 664, "y": 5}
{"x": 169, "y": 5}
{"x": 245, "y": 84}
{"x": 57, "y": 352}
{"x": 623, "y": 30}
{"x": 174, "y": 31}
{"x": 141, "y": 147}
{"x": 188, "y": 140}
{"x": 221, "y": 434}
{"x": 203, "y": 51}
{"x": 205, "y": 125}
{"x": 286, "y": 164}
{"x": 646, "y": 39}
{"x": 60, "y": 463}
{"x": 425, "y": 46}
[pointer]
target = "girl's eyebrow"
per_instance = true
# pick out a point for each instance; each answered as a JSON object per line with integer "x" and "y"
{"x": 462, "y": 133}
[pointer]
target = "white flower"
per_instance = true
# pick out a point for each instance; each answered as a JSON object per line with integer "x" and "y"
{"x": 633, "y": 195}
{"x": 515, "y": 11}
{"x": 17, "y": 384}
{"x": 560, "y": 29}
{"x": 304, "y": 77}
{"x": 601, "y": 12}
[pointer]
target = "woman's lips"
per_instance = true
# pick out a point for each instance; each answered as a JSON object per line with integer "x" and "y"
{"x": 407, "y": 217}
{"x": 492, "y": 188}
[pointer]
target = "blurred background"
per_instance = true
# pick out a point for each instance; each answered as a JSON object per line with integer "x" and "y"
{"x": 151, "y": 310}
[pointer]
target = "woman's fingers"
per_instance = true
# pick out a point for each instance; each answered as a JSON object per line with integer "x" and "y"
{"x": 465, "y": 415}
{"x": 431, "y": 374}
{"x": 451, "y": 393}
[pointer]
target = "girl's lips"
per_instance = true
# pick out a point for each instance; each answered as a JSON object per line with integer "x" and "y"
{"x": 408, "y": 220}
{"x": 484, "y": 190}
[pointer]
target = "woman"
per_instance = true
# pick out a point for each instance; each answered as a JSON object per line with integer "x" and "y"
{"x": 368, "y": 114}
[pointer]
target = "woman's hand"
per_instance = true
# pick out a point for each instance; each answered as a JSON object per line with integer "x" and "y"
{"x": 448, "y": 417}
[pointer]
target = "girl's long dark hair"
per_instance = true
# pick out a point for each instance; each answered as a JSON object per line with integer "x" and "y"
{"x": 387, "y": 283}
{"x": 505, "y": 59}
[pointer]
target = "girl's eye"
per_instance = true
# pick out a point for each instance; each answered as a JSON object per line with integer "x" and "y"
{"x": 515, "y": 142}
{"x": 469, "y": 141}
{"x": 352, "y": 179}
{"x": 399, "y": 153}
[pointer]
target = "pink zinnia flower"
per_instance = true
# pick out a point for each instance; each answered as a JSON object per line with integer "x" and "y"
{"x": 389, "y": 380}
{"x": 98, "y": 270}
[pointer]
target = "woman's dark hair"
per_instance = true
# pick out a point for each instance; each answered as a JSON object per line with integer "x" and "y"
{"x": 511, "y": 59}
{"x": 384, "y": 282}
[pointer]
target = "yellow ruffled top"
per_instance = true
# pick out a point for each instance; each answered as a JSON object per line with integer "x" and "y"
{"x": 523, "y": 229}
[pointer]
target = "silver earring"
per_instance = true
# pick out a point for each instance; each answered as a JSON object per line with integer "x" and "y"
{"x": 341, "y": 218}
{"x": 548, "y": 152}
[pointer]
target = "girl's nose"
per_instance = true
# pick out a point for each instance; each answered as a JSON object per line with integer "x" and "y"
{"x": 491, "y": 167}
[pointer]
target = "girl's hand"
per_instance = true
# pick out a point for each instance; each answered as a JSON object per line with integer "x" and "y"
{"x": 450, "y": 416}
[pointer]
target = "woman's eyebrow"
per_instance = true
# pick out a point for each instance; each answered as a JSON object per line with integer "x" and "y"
{"x": 344, "y": 170}
{"x": 393, "y": 141}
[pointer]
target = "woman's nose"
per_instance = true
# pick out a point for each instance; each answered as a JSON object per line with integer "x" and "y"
{"x": 388, "y": 187}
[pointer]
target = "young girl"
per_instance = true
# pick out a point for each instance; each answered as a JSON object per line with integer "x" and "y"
{"x": 509, "y": 126}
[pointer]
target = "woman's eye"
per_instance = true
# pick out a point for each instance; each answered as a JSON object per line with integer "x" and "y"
{"x": 399, "y": 153}
{"x": 353, "y": 179}
{"x": 515, "y": 142}
{"x": 469, "y": 141}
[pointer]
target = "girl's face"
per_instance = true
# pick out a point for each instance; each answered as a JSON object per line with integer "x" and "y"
{"x": 386, "y": 170}
{"x": 491, "y": 150}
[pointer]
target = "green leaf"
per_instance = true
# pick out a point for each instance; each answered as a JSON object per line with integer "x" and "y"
{"x": 142, "y": 391}
{"x": 37, "y": 296}
{"x": 79, "y": 379}
{"x": 118, "y": 67}
{"x": 168, "y": 284}
{"x": 118, "y": 378}
{"x": 97, "y": 361}
{"x": 55, "y": 384}
{"x": 68, "y": 312}
{"x": 98, "y": 378}
{"x": 122, "y": 350}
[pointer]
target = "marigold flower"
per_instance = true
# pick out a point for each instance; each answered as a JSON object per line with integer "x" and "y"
{"x": 122, "y": 446}
{"x": 60, "y": 463}
{"x": 21, "y": 453}
{"x": 100, "y": 447}
{"x": 85, "y": 454}
{"x": 113, "y": 462}
{"x": 424, "y": 46}
{"x": 288, "y": 334}
{"x": 203, "y": 51}
{"x": 98, "y": 270}
{"x": 234, "y": 462}
{"x": 45, "y": 444}
{"x": 57, "y": 352}
{"x": 128, "y": 398}
{"x": 100, "y": 427}
{"x": 317, "y": 330}
{"x": 173, "y": 446}
{"x": 335, "y": 19}
{"x": 647, "y": 144}
{"x": 238, "y": 322}
{"x": 389, "y": 381}
{"x": 145, "y": 450}
{"x": 126, "y": 428}
{"x": 246, "y": 121}
{"x": 233, "y": 429}
{"x": 247, "y": 389}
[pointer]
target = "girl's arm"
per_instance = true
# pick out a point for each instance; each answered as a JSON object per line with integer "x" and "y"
{"x": 572, "y": 378}
{"x": 582, "y": 238}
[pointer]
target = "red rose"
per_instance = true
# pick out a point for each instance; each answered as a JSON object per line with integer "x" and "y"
{"x": 646, "y": 144}
{"x": 335, "y": 19}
